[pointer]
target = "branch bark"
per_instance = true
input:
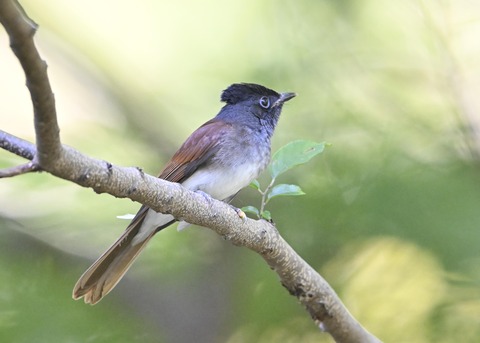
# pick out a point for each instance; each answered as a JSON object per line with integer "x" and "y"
{"x": 300, "y": 279}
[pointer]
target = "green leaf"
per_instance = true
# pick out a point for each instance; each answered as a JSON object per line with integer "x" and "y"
{"x": 284, "y": 190}
{"x": 251, "y": 209}
{"x": 266, "y": 215}
{"x": 255, "y": 185}
{"x": 293, "y": 154}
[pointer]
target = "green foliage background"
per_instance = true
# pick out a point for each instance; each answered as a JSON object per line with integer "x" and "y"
{"x": 392, "y": 211}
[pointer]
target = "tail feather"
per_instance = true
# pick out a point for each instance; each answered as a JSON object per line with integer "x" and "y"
{"x": 109, "y": 269}
{"x": 104, "y": 274}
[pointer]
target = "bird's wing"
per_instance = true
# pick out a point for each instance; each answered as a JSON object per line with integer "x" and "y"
{"x": 195, "y": 151}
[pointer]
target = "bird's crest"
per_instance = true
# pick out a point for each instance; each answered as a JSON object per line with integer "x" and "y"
{"x": 239, "y": 92}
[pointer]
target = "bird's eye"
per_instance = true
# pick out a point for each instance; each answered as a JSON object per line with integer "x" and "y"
{"x": 264, "y": 102}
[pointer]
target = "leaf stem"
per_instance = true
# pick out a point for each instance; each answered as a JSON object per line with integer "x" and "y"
{"x": 264, "y": 195}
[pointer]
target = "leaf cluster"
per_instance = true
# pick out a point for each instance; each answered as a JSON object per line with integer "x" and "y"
{"x": 287, "y": 157}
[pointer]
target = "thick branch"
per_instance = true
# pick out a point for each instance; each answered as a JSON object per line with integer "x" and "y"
{"x": 262, "y": 237}
{"x": 20, "y": 29}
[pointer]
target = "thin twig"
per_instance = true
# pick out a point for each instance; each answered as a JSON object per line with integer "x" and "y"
{"x": 18, "y": 170}
{"x": 17, "y": 146}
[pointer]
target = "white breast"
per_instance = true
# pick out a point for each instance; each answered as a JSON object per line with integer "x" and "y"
{"x": 222, "y": 183}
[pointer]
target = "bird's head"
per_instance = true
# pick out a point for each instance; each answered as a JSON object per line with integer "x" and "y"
{"x": 249, "y": 103}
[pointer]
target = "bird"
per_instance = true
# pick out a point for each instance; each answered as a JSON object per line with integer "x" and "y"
{"x": 220, "y": 158}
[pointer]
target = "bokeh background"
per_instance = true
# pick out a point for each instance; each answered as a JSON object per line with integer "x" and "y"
{"x": 392, "y": 212}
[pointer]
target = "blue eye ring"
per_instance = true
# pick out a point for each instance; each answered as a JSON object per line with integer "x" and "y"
{"x": 264, "y": 102}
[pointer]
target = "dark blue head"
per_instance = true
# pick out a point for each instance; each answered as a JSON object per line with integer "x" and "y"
{"x": 250, "y": 104}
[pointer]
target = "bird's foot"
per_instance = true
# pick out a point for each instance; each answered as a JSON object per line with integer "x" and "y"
{"x": 239, "y": 212}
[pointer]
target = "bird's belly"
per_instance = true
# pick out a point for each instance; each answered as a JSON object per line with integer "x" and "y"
{"x": 222, "y": 182}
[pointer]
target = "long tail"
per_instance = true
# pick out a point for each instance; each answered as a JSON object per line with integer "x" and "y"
{"x": 104, "y": 274}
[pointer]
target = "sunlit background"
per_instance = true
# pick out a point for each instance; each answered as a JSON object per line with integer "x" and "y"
{"x": 392, "y": 212}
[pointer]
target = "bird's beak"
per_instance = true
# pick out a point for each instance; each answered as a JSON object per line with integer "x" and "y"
{"x": 284, "y": 97}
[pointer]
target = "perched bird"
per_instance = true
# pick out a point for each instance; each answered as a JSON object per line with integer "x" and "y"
{"x": 220, "y": 158}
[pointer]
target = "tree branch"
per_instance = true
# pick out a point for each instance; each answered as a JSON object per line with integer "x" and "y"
{"x": 295, "y": 274}
{"x": 17, "y": 145}
{"x": 21, "y": 29}
{"x": 18, "y": 170}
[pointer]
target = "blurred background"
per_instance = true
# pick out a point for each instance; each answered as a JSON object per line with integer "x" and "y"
{"x": 391, "y": 216}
